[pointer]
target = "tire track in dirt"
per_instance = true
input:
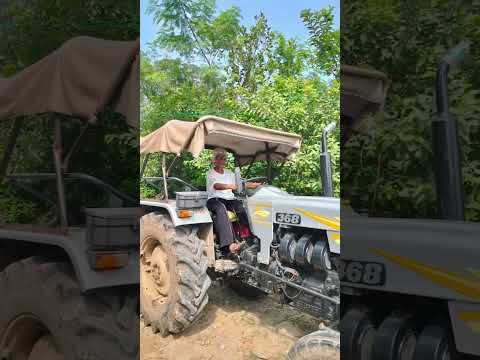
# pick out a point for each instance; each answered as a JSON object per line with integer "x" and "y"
{"x": 234, "y": 328}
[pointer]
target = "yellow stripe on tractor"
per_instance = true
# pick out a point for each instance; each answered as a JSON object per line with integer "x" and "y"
{"x": 456, "y": 282}
{"x": 334, "y": 224}
{"x": 472, "y": 318}
{"x": 335, "y": 237}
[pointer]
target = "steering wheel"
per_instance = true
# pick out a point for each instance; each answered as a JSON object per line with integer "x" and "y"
{"x": 256, "y": 179}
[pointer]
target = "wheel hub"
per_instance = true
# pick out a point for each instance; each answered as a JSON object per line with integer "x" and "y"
{"x": 155, "y": 272}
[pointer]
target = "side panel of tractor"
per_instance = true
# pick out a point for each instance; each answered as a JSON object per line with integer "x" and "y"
{"x": 408, "y": 264}
{"x": 268, "y": 208}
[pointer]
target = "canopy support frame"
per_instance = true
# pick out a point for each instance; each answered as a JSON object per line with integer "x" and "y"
{"x": 164, "y": 171}
{"x": 7, "y": 155}
{"x": 269, "y": 162}
{"x": 57, "y": 156}
{"x": 73, "y": 148}
{"x": 144, "y": 165}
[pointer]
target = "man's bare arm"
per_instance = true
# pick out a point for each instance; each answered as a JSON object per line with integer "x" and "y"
{"x": 219, "y": 186}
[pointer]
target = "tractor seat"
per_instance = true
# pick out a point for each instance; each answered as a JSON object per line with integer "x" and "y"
{"x": 232, "y": 216}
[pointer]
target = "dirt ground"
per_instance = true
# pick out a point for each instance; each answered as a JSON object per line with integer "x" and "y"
{"x": 233, "y": 328}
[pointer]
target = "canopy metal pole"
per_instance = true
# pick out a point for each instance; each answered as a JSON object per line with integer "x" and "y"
{"x": 57, "y": 155}
{"x": 164, "y": 174}
{"x": 7, "y": 154}
{"x": 269, "y": 163}
{"x": 73, "y": 149}
{"x": 171, "y": 165}
{"x": 144, "y": 165}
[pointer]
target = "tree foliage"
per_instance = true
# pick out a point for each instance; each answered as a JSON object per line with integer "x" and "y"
{"x": 324, "y": 39}
{"x": 257, "y": 76}
{"x": 389, "y": 171}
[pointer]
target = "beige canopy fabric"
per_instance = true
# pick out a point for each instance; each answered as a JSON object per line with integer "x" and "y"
{"x": 246, "y": 141}
{"x": 362, "y": 91}
{"x": 78, "y": 79}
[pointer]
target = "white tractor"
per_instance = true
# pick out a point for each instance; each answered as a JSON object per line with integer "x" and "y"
{"x": 292, "y": 242}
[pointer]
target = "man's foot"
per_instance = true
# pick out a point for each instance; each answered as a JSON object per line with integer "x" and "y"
{"x": 235, "y": 248}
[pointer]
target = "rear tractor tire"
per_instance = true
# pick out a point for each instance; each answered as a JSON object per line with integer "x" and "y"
{"x": 45, "y": 315}
{"x": 320, "y": 345}
{"x": 173, "y": 274}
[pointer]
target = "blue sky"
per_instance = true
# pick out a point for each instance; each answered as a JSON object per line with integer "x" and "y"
{"x": 283, "y": 15}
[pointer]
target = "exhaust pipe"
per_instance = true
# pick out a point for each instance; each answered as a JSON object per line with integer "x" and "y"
{"x": 446, "y": 148}
{"x": 325, "y": 162}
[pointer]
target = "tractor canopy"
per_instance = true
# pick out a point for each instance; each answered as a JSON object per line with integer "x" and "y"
{"x": 79, "y": 79}
{"x": 248, "y": 143}
{"x": 362, "y": 92}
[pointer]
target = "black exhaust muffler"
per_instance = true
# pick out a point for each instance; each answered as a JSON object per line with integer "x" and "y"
{"x": 446, "y": 148}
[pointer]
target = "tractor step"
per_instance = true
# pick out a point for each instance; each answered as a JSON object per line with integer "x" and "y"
{"x": 225, "y": 265}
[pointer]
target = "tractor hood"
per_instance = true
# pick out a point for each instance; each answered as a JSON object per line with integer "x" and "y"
{"x": 313, "y": 207}
{"x": 269, "y": 206}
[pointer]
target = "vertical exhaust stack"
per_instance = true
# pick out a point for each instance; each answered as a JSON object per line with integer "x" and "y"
{"x": 325, "y": 162}
{"x": 446, "y": 148}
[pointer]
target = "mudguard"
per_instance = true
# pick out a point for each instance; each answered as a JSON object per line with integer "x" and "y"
{"x": 76, "y": 247}
{"x": 200, "y": 215}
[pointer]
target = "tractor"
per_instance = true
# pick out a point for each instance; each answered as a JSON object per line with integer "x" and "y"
{"x": 410, "y": 288}
{"x": 292, "y": 242}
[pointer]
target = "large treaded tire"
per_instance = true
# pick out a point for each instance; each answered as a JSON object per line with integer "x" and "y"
{"x": 320, "y": 345}
{"x": 101, "y": 325}
{"x": 187, "y": 270}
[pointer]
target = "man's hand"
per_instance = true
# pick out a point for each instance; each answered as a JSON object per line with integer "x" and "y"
{"x": 252, "y": 185}
{"x": 232, "y": 187}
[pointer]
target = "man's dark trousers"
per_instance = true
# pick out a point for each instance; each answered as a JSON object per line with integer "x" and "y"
{"x": 222, "y": 224}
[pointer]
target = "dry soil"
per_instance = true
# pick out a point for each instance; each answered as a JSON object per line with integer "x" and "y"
{"x": 232, "y": 328}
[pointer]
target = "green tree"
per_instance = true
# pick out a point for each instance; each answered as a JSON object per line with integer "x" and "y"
{"x": 261, "y": 78}
{"x": 324, "y": 39}
{"x": 389, "y": 171}
{"x": 190, "y": 27}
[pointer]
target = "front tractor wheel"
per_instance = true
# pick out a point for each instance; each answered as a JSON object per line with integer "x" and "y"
{"x": 173, "y": 274}
{"x": 320, "y": 345}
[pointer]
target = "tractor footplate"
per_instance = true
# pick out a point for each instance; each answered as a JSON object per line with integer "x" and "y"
{"x": 225, "y": 265}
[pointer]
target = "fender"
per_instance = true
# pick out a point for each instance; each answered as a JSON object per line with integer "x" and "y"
{"x": 200, "y": 215}
{"x": 76, "y": 247}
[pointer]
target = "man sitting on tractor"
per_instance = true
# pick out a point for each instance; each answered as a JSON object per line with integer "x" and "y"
{"x": 220, "y": 187}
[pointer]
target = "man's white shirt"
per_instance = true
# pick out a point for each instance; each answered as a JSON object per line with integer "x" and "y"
{"x": 214, "y": 177}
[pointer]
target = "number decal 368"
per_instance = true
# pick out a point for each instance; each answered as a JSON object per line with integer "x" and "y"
{"x": 288, "y": 218}
{"x": 360, "y": 272}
